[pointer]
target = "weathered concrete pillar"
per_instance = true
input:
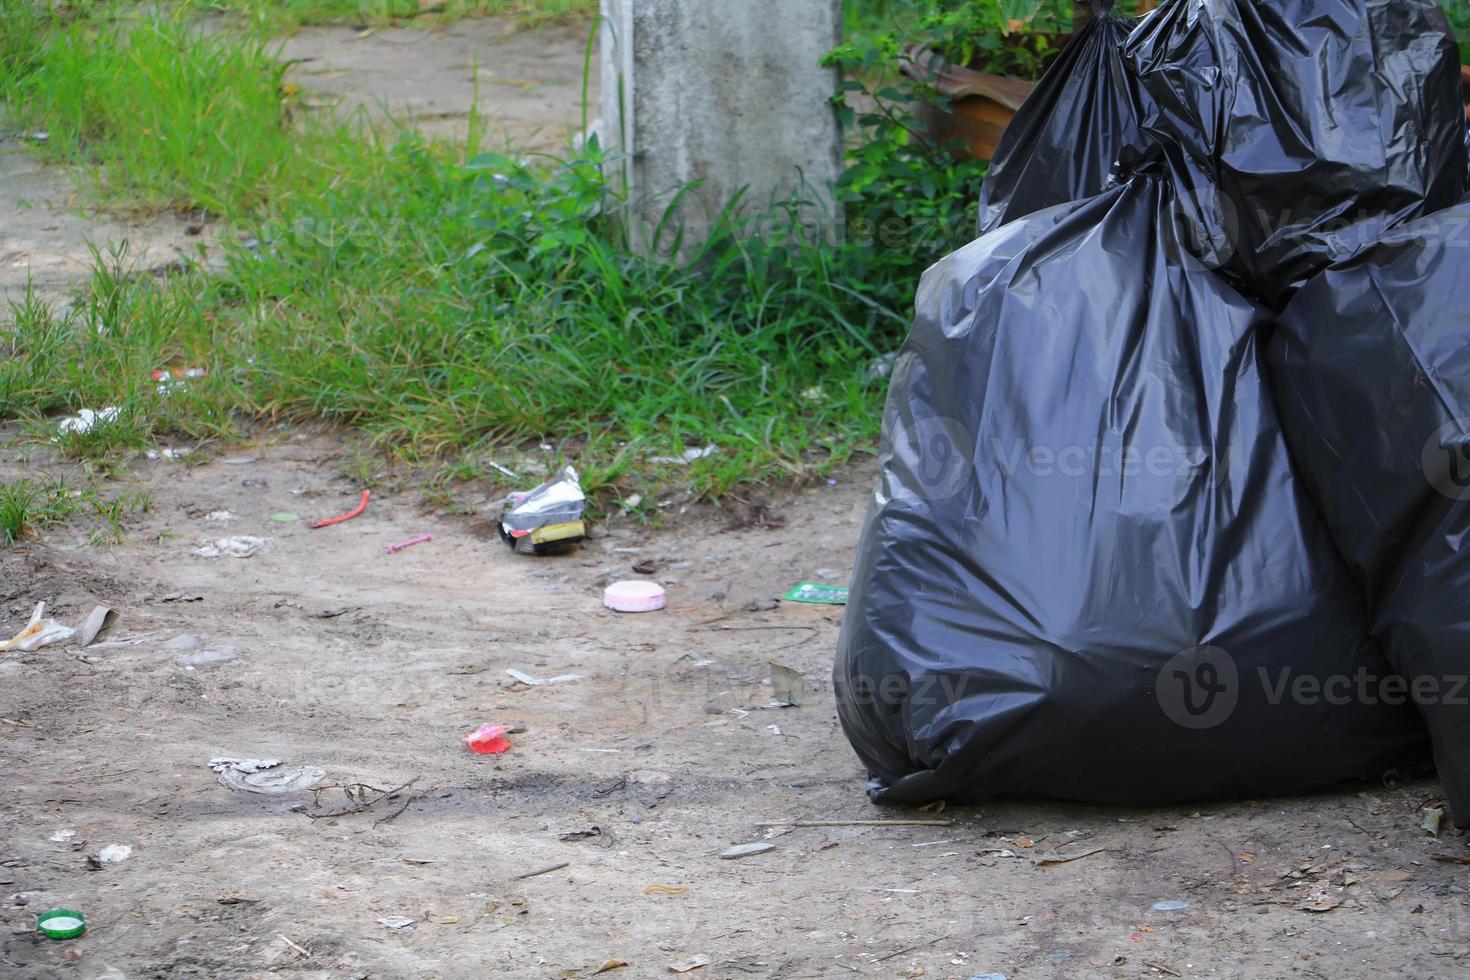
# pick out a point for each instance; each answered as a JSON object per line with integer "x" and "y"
{"x": 725, "y": 93}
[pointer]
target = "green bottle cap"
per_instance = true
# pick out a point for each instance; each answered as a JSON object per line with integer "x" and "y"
{"x": 61, "y": 923}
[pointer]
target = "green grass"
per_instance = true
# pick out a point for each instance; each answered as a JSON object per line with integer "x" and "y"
{"x": 451, "y": 306}
{"x": 285, "y": 15}
{"x": 30, "y": 506}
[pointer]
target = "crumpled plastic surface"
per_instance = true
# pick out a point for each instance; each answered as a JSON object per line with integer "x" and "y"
{"x": 1371, "y": 364}
{"x": 488, "y": 740}
{"x": 558, "y": 501}
{"x": 1088, "y": 568}
{"x": 266, "y": 777}
{"x": 1064, "y": 141}
{"x": 39, "y": 632}
{"x": 1301, "y": 130}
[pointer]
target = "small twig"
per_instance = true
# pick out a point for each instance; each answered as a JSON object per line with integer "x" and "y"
{"x": 396, "y": 813}
{"x": 857, "y": 823}
{"x": 911, "y": 949}
{"x": 360, "y": 807}
{"x": 1163, "y": 968}
{"x": 543, "y": 871}
{"x": 282, "y": 937}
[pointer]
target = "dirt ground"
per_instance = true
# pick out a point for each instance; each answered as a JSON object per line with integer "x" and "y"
{"x": 630, "y": 781}
{"x": 372, "y": 666}
{"x": 526, "y": 85}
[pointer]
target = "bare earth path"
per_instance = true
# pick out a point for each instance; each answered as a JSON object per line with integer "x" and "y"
{"x": 372, "y": 666}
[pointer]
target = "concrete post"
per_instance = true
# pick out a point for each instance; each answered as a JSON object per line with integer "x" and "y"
{"x": 727, "y": 94}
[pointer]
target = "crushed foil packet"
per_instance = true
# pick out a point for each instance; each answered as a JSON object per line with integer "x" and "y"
{"x": 548, "y": 519}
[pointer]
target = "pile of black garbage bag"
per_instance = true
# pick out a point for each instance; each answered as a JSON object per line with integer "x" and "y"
{"x": 1175, "y": 493}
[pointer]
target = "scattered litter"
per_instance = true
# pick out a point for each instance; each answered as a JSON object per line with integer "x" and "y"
{"x": 393, "y": 549}
{"x": 577, "y": 835}
{"x": 530, "y": 681}
{"x": 1433, "y": 817}
{"x": 207, "y": 657}
{"x": 218, "y": 517}
{"x": 114, "y": 854}
{"x": 396, "y": 921}
{"x": 39, "y": 136}
{"x": 933, "y": 843}
{"x": 686, "y": 457}
{"x": 354, "y": 512}
{"x": 547, "y": 519}
{"x": 774, "y": 729}
{"x": 502, "y": 470}
{"x": 240, "y": 460}
{"x": 86, "y": 420}
{"x": 162, "y": 374}
{"x": 820, "y": 595}
{"x": 285, "y": 939}
{"x": 635, "y": 597}
{"x": 787, "y": 684}
{"x": 746, "y": 850}
{"x": 285, "y": 518}
{"x": 690, "y": 965}
{"x": 38, "y": 633}
{"x": 265, "y": 776}
{"x": 488, "y": 740}
{"x": 1057, "y": 858}
{"x": 181, "y": 597}
{"x": 241, "y": 547}
{"x": 62, "y": 836}
{"x": 666, "y": 890}
{"x": 543, "y": 871}
{"x": 1178, "y": 905}
{"x": 61, "y": 924}
{"x": 168, "y": 452}
{"x": 97, "y": 620}
{"x": 611, "y": 965}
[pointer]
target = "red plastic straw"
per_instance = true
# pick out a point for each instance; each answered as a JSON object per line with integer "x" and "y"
{"x": 356, "y": 511}
{"x": 395, "y": 548}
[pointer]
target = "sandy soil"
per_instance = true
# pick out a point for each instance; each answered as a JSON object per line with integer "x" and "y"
{"x": 526, "y": 85}
{"x": 45, "y": 231}
{"x": 373, "y": 666}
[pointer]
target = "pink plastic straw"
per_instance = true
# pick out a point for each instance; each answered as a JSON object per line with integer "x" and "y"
{"x": 395, "y": 548}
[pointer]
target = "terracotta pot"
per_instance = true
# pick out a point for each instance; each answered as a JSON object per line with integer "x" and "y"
{"x": 981, "y": 108}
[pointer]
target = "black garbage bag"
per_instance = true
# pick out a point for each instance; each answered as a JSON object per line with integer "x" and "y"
{"x": 1089, "y": 573}
{"x": 1063, "y": 142}
{"x": 1371, "y": 366}
{"x": 1300, "y": 129}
